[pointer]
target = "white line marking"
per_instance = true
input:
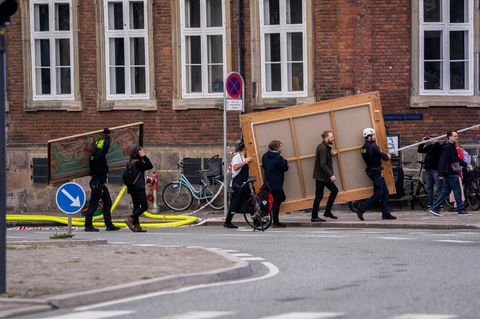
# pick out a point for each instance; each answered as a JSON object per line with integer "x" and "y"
{"x": 272, "y": 271}
{"x": 321, "y": 236}
{"x": 241, "y": 235}
{"x": 252, "y": 259}
{"x": 118, "y": 242}
{"x": 145, "y": 245}
{"x": 306, "y": 315}
{"x": 229, "y": 250}
{"x": 393, "y": 238}
{"x": 92, "y": 315}
{"x": 424, "y": 316}
{"x": 201, "y": 315}
{"x": 456, "y": 241}
{"x": 241, "y": 254}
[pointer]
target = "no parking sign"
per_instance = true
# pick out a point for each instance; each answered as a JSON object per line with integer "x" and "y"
{"x": 234, "y": 92}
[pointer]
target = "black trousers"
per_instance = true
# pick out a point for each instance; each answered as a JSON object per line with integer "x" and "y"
{"x": 278, "y": 198}
{"x": 380, "y": 194}
{"x": 319, "y": 187}
{"x": 99, "y": 191}
{"x": 140, "y": 203}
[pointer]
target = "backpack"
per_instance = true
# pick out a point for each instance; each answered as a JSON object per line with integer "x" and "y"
{"x": 266, "y": 198}
{"x": 91, "y": 162}
{"x": 129, "y": 178}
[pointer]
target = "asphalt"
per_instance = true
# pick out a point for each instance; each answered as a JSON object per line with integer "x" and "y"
{"x": 414, "y": 219}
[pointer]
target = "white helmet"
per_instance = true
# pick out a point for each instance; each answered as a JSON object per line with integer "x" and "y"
{"x": 368, "y": 131}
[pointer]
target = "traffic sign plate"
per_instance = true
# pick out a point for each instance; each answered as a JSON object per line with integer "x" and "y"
{"x": 70, "y": 198}
{"x": 234, "y": 85}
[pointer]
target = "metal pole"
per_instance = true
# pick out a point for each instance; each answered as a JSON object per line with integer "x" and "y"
{"x": 225, "y": 158}
{"x": 3, "y": 158}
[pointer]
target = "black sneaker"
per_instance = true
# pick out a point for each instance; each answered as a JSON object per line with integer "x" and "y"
{"x": 229, "y": 225}
{"x": 359, "y": 214}
{"x": 463, "y": 213}
{"x": 90, "y": 228}
{"x": 278, "y": 225}
{"x": 112, "y": 228}
{"x": 330, "y": 215}
{"x": 389, "y": 216}
{"x": 317, "y": 220}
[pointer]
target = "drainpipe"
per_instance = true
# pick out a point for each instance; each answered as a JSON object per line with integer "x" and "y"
{"x": 239, "y": 54}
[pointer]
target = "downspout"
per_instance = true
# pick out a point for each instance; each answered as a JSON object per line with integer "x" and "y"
{"x": 239, "y": 55}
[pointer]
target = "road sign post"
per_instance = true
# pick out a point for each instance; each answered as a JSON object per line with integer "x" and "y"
{"x": 70, "y": 199}
{"x": 233, "y": 100}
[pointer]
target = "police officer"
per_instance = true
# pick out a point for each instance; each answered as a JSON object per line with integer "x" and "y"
{"x": 373, "y": 156}
{"x": 98, "y": 184}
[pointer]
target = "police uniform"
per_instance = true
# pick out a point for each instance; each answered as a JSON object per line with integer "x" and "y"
{"x": 99, "y": 190}
{"x": 373, "y": 156}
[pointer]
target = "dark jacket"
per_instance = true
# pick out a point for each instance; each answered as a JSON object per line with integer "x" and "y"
{"x": 449, "y": 158}
{"x": 323, "y": 168}
{"x": 274, "y": 167}
{"x": 373, "y": 155}
{"x": 138, "y": 168}
{"x": 98, "y": 161}
{"x": 433, "y": 152}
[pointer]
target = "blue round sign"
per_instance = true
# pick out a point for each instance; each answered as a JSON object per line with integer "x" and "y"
{"x": 70, "y": 198}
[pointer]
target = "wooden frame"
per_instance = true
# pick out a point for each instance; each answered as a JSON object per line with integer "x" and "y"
{"x": 300, "y": 128}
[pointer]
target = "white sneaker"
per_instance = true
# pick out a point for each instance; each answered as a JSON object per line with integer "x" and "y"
{"x": 431, "y": 211}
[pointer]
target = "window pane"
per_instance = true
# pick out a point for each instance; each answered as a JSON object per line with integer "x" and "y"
{"x": 432, "y": 45}
{"x": 62, "y": 52}
{"x": 193, "y": 50}
{"x": 137, "y": 51}
{"x": 295, "y": 77}
{"x": 272, "y": 47}
{"x": 295, "y": 46}
{"x": 62, "y": 16}
{"x": 42, "y": 81}
{"x": 458, "y": 11}
{"x": 215, "y": 78}
{"x": 194, "y": 79}
{"x": 214, "y": 13}
{"x": 272, "y": 12}
{"x": 458, "y": 45}
{"x": 137, "y": 15}
{"x": 294, "y": 11}
{"x": 63, "y": 81}
{"x": 41, "y": 17}
{"x": 215, "y": 49}
{"x": 42, "y": 52}
{"x": 432, "y": 10}
{"x": 192, "y": 13}
{"x": 117, "y": 51}
{"x": 273, "y": 77}
{"x": 139, "y": 85}
{"x": 433, "y": 76}
{"x": 458, "y": 75}
{"x": 115, "y": 16}
{"x": 117, "y": 80}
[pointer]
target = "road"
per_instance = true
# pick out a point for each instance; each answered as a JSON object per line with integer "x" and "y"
{"x": 312, "y": 273}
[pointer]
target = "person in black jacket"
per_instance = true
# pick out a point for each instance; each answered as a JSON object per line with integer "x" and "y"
{"x": 433, "y": 149}
{"x": 274, "y": 167}
{"x": 138, "y": 163}
{"x": 449, "y": 166}
{"x": 98, "y": 184}
{"x": 373, "y": 156}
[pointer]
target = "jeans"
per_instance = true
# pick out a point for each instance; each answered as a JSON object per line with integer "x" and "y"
{"x": 99, "y": 191}
{"x": 380, "y": 193}
{"x": 319, "y": 186}
{"x": 450, "y": 183}
{"x": 433, "y": 185}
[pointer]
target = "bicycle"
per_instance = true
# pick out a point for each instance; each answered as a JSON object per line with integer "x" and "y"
{"x": 471, "y": 189}
{"x": 178, "y": 195}
{"x": 257, "y": 209}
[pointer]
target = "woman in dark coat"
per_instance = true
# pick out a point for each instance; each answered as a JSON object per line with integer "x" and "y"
{"x": 274, "y": 167}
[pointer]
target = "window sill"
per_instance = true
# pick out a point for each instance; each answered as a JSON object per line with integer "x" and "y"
{"x": 265, "y": 103}
{"x": 206, "y": 103}
{"x": 53, "y": 105}
{"x": 128, "y": 105}
{"x": 428, "y": 101}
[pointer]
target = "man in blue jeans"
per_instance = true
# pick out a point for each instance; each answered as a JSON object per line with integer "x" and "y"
{"x": 449, "y": 166}
{"x": 433, "y": 150}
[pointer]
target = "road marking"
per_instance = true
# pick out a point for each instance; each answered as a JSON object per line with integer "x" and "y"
{"x": 306, "y": 315}
{"x": 272, "y": 271}
{"x": 145, "y": 245}
{"x": 252, "y": 258}
{"x": 229, "y": 250}
{"x": 241, "y": 235}
{"x": 424, "y": 316}
{"x": 321, "y": 236}
{"x": 201, "y": 315}
{"x": 455, "y": 241}
{"x": 393, "y": 238}
{"x": 92, "y": 315}
{"x": 241, "y": 254}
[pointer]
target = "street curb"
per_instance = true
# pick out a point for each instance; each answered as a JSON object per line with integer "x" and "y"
{"x": 72, "y": 241}
{"x": 241, "y": 269}
{"x": 360, "y": 224}
{"x": 24, "y": 311}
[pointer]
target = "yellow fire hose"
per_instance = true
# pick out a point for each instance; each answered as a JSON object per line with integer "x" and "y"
{"x": 180, "y": 220}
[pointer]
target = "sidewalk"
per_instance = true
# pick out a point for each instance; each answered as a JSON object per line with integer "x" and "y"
{"x": 56, "y": 273}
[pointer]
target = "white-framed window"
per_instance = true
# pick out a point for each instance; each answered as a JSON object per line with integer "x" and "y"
{"x": 126, "y": 47}
{"x": 203, "y": 48}
{"x": 283, "y": 48}
{"x": 51, "y": 42}
{"x": 446, "y": 62}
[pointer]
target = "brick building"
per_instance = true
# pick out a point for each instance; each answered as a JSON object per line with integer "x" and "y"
{"x": 76, "y": 66}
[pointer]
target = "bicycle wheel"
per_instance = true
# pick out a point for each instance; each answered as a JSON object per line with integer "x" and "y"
{"x": 212, "y": 190}
{"x": 177, "y": 196}
{"x": 255, "y": 217}
{"x": 420, "y": 196}
{"x": 472, "y": 195}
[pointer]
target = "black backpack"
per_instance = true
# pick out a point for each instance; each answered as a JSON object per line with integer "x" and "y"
{"x": 129, "y": 178}
{"x": 91, "y": 163}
